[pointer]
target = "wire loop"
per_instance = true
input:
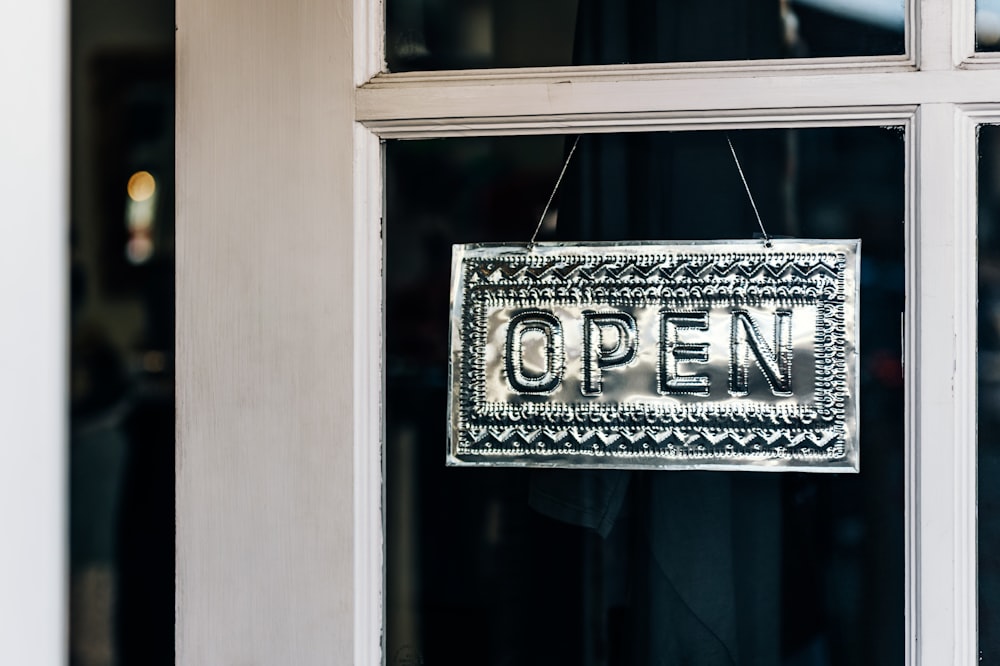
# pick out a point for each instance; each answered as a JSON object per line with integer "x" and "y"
{"x": 767, "y": 239}
{"x": 531, "y": 243}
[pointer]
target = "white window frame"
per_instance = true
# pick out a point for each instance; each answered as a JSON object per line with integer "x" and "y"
{"x": 281, "y": 111}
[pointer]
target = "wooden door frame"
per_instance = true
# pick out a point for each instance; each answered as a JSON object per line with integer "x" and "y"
{"x": 281, "y": 111}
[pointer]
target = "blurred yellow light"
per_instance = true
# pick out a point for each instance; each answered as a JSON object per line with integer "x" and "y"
{"x": 141, "y": 186}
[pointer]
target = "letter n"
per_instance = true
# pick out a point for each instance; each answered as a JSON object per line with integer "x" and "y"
{"x": 776, "y": 363}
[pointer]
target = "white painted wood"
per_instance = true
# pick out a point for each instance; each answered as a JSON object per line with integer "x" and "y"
{"x": 421, "y": 128}
{"x": 910, "y": 354}
{"x": 936, "y": 48}
{"x": 982, "y": 61}
{"x": 369, "y": 431}
{"x": 936, "y": 419}
{"x": 34, "y": 237}
{"x": 394, "y": 99}
{"x": 266, "y": 333}
{"x": 369, "y": 39}
{"x": 964, "y": 31}
{"x": 966, "y": 376}
{"x": 704, "y": 69}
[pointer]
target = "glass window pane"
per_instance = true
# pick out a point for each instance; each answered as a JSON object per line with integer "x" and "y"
{"x": 989, "y": 392}
{"x": 518, "y": 566}
{"x": 988, "y": 25}
{"x": 460, "y": 34}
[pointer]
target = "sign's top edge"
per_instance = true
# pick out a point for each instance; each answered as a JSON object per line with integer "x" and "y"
{"x": 548, "y": 247}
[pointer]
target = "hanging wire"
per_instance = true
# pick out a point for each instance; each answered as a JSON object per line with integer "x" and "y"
{"x": 767, "y": 239}
{"x": 531, "y": 243}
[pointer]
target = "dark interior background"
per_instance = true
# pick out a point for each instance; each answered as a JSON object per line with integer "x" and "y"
{"x": 476, "y": 574}
{"x": 122, "y": 334}
{"x": 989, "y": 392}
{"x": 458, "y": 34}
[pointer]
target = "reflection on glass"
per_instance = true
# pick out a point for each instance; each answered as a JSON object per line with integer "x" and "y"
{"x": 458, "y": 34}
{"x": 515, "y": 566}
{"x": 988, "y": 25}
{"x": 989, "y": 392}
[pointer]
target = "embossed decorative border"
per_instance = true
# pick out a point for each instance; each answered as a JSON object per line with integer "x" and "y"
{"x": 684, "y": 275}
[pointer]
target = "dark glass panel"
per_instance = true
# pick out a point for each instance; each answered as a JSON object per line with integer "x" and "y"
{"x": 988, "y": 25}
{"x": 516, "y": 566}
{"x": 459, "y": 34}
{"x": 989, "y": 392}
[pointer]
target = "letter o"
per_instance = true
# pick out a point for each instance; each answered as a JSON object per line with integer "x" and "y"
{"x": 538, "y": 321}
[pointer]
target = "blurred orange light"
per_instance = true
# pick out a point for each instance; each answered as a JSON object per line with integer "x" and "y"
{"x": 141, "y": 186}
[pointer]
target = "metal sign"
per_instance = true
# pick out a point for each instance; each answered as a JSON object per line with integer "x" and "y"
{"x": 693, "y": 355}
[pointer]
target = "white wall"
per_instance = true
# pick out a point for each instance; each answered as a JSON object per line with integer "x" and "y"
{"x": 33, "y": 405}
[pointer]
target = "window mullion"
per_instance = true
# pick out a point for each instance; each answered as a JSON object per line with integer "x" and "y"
{"x": 942, "y": 451}
{"x": 935, "y": 40}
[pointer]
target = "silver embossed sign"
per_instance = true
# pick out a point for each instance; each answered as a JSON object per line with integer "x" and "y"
{"x": 693, "y": 355}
